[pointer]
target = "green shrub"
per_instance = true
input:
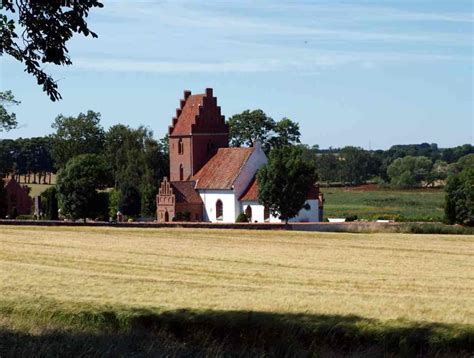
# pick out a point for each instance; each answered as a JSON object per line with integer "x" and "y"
{"x": 242, "y": 218}
{"x": 352, "y": 218}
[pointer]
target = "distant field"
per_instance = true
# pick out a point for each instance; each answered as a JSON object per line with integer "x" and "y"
{"x": 374, "y": 290}
{"x": 409, "y": 205}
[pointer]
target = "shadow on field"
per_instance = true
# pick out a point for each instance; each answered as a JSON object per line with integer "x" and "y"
{"x": 234, "y": 333}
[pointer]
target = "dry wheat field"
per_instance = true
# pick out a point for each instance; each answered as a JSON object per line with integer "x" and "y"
{"x": 424, "y": 278}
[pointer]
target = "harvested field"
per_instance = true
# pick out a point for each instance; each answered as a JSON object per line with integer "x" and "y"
{"x": 366, "y": 283}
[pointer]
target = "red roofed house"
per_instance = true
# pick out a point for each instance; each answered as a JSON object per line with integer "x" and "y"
{"x": 14, "y": 200}
{"x": 209, "y": 180}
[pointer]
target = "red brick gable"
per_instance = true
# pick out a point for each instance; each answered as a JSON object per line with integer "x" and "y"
{"x": 198, "y": 113}
{"x": 221, "y": 171}
{"x": 187, "y": 117}
{"x": 16, "y": 197}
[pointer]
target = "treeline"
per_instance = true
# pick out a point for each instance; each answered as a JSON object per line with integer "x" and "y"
{"x": 99, "y": 171}
{"x": 401, "y": 166}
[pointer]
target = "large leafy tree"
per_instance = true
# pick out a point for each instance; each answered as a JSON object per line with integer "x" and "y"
{"x": 459, "y": 206}
{"x": 409, "y": 171}
{"x": 284, "y": 182}
{"x": 250, "y": 126}
{"x": 139, "y": 162}
{"x": 78, "y": 185}
{"x": 7, "y": 120}
{"x": 76, "y": 135}
{"x": 35, "y": 33}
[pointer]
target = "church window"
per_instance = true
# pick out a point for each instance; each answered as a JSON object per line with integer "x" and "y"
{"x": 181, "y": 172}
{"x": 219, "y": 210}
{"x": 180, "y": 146}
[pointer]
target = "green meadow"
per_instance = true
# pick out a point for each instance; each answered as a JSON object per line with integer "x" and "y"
{"x": 402, "y": 205}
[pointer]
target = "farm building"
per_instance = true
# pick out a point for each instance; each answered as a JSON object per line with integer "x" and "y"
{"x": 14, "y": 199}
{"x": 210, "y": 181}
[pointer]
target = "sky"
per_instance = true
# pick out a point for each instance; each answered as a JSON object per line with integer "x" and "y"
{"x": 366, "y": 73}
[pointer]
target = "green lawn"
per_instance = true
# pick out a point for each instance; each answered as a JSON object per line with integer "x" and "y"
{"x": 407, "y": 205}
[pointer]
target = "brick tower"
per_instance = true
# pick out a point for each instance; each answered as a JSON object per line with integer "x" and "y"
{"x": 196, "y": 133}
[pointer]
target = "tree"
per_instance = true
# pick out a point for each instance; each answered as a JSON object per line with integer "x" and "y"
{"x": 7, "y": 120}
{"x": 130, "y": 203}
{"x": 137, "y": 160}
{"x": 284, "y": 182}
{"x": 78, "y": 185}
{"x": 250, "y": 126}
{"x": 286, "y": 132}
{"x": 459, "y": 204}
{"x": 354, "y": 165}
{"x": 409, "y": 172}
{"x": 76, "y": 135}
{"x": 49, "y": 202}
{"x": 36, "y": 33}
{"x": 328, "y": 167}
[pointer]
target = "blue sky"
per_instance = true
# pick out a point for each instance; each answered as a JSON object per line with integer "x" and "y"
{"x": 365, "y": 73}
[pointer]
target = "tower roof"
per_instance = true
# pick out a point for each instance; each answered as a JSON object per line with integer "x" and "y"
{"x": 198, "y": 113}
{"x": 188, "y": 115}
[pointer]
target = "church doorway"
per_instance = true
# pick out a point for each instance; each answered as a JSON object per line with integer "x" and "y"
{"x": 167, "y": 216}
{"x": 248, "y": 213}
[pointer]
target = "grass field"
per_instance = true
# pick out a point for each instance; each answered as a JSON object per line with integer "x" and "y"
{"x": 223, "y": 291}
{"x": 409, "y": 205}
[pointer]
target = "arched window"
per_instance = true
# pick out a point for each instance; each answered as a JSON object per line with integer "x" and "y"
{"x": 266, "y": 213}
{"x": 181, "y": 172}
{"x": 248, "y": 213}
{"x": 219, "y": 210}
{"x": 180, "y": 146}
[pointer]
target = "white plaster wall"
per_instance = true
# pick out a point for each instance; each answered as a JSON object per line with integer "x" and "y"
{"x": 254, "y": 162}
{"x": 303, "y": 216}
{"x": 310, "y": 215}
{"x": 228, "y": 198}
{"x": 257, "y": 210}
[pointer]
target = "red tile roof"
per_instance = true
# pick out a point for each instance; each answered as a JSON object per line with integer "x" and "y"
{"x": 251, "y": 193}
{"x": 221, "y": 171}
{"x": 185, "y": 192}
{"x": 188, "y": 115}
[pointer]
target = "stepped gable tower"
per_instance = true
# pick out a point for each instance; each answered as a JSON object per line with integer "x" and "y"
{"x": 197, "y": 131}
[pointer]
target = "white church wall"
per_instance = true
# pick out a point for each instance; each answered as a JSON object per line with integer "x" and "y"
{"x": 254, "y": 162}
{"x": 257, "y": 210}
{"x": 210, "y": 197}
{"x": 310, "y": 215}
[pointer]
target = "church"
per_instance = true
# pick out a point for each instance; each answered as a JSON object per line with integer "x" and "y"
{"x": 208, "y": 180}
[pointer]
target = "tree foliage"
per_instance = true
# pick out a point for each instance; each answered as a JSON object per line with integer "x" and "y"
{"x": 137, "y": 161}
{"x": 78, "y": 185}
{"x": 36, "y": 32}
{"x": 49, "y": 203}
{"x": 409, "y": 172}
{"x": 7, "y": 120}
{"x": 250, "y": 126}
{"x": 459, "y": 206}
{"x": 284, "y": 182}
{"x": 76, "y": 135}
